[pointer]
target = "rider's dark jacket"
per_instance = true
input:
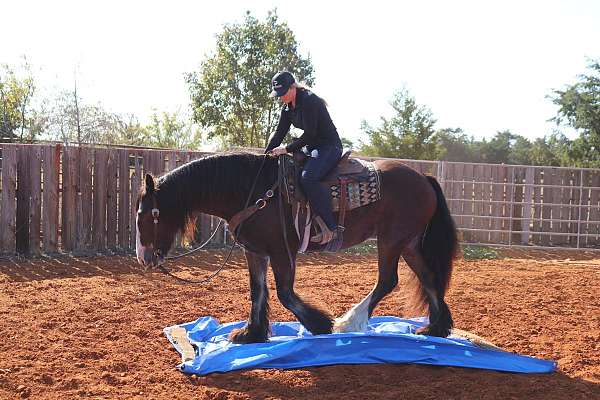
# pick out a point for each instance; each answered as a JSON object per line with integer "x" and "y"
{"x": 310, "y": 115}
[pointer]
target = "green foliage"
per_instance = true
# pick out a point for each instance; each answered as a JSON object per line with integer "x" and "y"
{"x": 497, "y": 150}
{"x": 368, "y": 247}
{"x": 129, "y": 131}
{"x": 579, "y": 108}
{"x": 347, "y": 144}
{"x": 171, "y": 130}
{"x": 479, "y": 253}
{"x": 408, "y": 134}
{"x": 520, "y": 151}
{"x": 454, "y": 145}
{"x": 71, "y": 120}
{"x": 230, "y": 93}
{"x": 17, "y": 124}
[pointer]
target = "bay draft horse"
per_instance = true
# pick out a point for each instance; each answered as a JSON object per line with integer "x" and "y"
{"x": 411, "y": 220}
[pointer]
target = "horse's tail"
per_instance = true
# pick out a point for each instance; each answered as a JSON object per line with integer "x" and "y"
{"x": 440, "y": 242}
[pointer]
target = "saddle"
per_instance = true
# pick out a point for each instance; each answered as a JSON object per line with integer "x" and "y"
{"x": 352, "y": 183}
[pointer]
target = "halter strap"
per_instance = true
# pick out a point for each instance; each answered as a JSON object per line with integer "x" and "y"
{"x": 155, "y": 215}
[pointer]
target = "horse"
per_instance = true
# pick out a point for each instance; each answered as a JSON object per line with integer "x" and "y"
{"x": 410, "y": 220}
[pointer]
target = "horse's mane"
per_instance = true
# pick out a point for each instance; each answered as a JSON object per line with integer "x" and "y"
{"x": 223, "y": 178}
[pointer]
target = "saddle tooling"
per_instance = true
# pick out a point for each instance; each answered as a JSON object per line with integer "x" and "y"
{"x": 352, "y": 183}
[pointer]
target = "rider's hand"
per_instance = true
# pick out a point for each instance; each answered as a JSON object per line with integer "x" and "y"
{"x": 277, "y": 151}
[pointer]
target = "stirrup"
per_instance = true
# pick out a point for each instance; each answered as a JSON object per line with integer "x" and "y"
{"x": 335, "y": 243}
{"x": 323, "y": 237}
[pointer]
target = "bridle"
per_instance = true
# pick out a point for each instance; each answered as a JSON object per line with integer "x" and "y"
{"x": 155, "y": 214}
{"x": 157, "y": 253}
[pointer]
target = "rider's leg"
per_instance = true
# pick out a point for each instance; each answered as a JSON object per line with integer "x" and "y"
{"x": 318, "y": 165}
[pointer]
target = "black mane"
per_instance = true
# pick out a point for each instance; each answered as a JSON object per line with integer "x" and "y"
{"x": 217, "y": 181}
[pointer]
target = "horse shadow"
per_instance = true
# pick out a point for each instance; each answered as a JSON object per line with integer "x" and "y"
{"x": 69, "y": 265}
{"x": 399, "y": 381}
{"x": 66, "y": 265}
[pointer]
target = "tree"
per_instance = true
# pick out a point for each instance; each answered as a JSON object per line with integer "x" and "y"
{"x": 579, "y": 107}
{"x": 454, "y": 145}
{"x": 520, "y": 151}
{"x": 347, "y": 144}
{"x": 171, "y": 130}
{"x": 408, "y": 134}
{"x": 16, "y": 95}
{"x": 230, "y": 93}
{"x": 497, "y": 150}
{"x": 131, "y": 132}
{"x": 71, "y": 120}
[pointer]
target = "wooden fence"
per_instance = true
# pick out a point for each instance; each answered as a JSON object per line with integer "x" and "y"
{"x": 82, "y": 199}
{"x": 78, "y": 199}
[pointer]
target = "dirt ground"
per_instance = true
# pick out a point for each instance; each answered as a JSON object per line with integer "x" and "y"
{"x": 92, "y": 327}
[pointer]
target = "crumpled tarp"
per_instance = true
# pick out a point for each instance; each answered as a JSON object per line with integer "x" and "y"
{"x": 387, "y": 340}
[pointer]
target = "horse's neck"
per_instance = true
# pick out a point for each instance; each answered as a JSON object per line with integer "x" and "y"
{"x": 211, "y": 197}
{"x": 216, "y": 204}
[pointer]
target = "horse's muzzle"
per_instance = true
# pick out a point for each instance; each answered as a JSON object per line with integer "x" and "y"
{"x": 151, "y": 258}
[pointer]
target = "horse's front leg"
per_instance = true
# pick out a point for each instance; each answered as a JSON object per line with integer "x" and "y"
{"x": 314, "y": 319}
{"x": 257, "y": 329}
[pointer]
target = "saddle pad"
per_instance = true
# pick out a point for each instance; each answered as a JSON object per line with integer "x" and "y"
{"x": 360, "y": 192}
{"x": 362, "y": 188}
{"x": 387, "y": 340}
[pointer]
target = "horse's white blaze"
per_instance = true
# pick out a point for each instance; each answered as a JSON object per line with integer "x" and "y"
{"x": 139, "y": 249}
{"x": 356, "y": 319}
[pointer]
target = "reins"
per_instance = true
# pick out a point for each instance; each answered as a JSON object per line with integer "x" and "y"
{"x": 261, "y": 203}
{"x": 280, "y": 173}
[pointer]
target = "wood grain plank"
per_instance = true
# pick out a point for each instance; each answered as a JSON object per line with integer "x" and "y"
{"x": 8, "y": 243}
{"x": 35, "y": 212}
{"x": 23, "y": 198}
{"x": 50, "y": 197}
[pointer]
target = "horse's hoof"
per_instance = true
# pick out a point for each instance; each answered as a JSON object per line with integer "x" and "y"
{"x": 344, "y": 324}
{"x": 244, "y": 336}
{"x": 324, "y": 326}
{"x": 432, "y": 330}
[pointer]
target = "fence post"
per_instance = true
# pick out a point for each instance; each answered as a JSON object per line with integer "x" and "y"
{"x": 528, "y": 198}
{"x": 512, "y": 203}
{"x": 579, "y": 208}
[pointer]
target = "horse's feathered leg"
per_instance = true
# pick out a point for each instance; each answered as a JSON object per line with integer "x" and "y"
{"x": 315, "y": 320}
{"x": 440, "y": 320}
{"x": 257, "y": 329}
{"x": 356, "y": 319}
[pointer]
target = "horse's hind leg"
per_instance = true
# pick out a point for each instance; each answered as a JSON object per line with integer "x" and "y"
{"x": 357, "y": 318}
{"x": 257, "y": 329}
{"x": 315, "y": 320}
{"x": 440, "y": 320}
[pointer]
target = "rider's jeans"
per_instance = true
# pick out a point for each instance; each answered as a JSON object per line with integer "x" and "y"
{"x": 321, "y": 162}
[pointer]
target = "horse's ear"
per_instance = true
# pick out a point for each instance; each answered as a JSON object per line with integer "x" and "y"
{"x": 149, "y": 183}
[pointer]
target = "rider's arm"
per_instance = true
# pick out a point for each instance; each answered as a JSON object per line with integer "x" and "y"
{"x": 282, "y": 129}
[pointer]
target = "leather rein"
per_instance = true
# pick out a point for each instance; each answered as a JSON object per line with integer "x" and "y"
{"x": 236, "y": 223}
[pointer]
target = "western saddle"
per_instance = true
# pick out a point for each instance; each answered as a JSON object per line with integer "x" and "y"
{"x": 352, "y": 183}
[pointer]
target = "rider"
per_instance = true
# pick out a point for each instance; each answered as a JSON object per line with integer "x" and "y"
{"x": 307, "y": 111}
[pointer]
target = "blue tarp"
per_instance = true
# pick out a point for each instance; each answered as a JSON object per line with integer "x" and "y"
{"x": 387, "y": 340}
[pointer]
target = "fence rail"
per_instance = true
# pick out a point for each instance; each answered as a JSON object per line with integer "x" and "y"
{"x": 82, "y": 199}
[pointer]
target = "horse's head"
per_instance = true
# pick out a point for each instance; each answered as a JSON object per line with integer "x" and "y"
{"x": 156, "y": 227}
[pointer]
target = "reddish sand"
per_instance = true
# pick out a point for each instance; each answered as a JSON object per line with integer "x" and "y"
{"x": 92, "y": 327}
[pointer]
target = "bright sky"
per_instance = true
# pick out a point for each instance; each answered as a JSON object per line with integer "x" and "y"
{"x": 484, "y": 66}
